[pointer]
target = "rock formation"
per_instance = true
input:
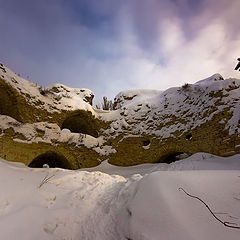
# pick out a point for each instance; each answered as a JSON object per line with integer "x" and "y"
{"x": 147, "y": 126}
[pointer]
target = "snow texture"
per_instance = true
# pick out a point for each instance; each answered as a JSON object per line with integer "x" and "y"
{"x": 140, "y": 203}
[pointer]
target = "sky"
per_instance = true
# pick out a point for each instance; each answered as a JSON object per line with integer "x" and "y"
{"x": 113, "y": 45}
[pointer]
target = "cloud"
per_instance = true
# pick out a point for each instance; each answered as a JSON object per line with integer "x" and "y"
{"x": 116, "y": 45}
{"x": 191, "y": 47}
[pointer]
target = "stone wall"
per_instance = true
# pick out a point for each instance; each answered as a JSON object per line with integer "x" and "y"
{"x": 126, "y": 147}
{"x": 210, "y": 137}
{"x": 78, "y": 157}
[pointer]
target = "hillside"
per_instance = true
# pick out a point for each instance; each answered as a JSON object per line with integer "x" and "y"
{"x": 147, "y": 126}
{"x": 190, "y": 133}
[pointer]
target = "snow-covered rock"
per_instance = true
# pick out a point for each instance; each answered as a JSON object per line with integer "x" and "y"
{"x": 204, "y": 116}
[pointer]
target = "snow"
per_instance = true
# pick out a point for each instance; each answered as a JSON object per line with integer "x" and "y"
{"x": 160, "y": 210}
{"x": 58, "y": 95}
{"x": 132, "y": 96}
{"x": 213, "y": 78}
{"x": 66, "y": 130}
{"x": 191, "y": 103}
{"x": 198, "y": 161}
{"x": 110, "y": 203}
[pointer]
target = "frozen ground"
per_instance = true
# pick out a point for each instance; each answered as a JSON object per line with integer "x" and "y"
{"x": 116, "y": 203}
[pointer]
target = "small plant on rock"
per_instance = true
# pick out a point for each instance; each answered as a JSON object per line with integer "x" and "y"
{"x": 186, "y": 87}
{"x": 106, "y": 104}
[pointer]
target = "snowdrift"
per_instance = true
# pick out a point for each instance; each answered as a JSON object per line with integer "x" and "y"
{"x": 64, "y": 204}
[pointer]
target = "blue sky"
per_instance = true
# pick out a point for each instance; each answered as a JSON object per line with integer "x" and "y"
{"x": 112, "y": 45}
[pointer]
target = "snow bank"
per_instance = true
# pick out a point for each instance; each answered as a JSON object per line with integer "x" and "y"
{"x": 63, "y": 204}
{"x": 70, "y": 205}
{"x": 198, "y": 161}
{"x": 160, "y": 211}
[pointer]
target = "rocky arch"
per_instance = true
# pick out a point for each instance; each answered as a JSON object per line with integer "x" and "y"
{"x": 8, "y": 102}
{"x": 52, "y": 159}
{"x": 81, "y": 122}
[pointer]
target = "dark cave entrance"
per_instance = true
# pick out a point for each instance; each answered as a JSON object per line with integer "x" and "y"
{"x": 81, "y": 122}
{"x": 173, "y": 157}
{"x": 52, "y": 159}
{"x": 189, "y": 136}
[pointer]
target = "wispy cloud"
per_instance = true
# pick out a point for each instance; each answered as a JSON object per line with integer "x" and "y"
{"x": 109, "y": 46}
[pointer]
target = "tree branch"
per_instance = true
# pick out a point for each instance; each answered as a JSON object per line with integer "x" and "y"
{"x": 45, "y": 180}
{"x": 226, "y": 224}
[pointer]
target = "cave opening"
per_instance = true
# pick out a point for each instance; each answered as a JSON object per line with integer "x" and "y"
{"x": 51, "y": 159}
{"x": 173, "y": 157}
{"x": 189, "y": 136}
{"x": 146, "y": 142}
{"x": 81, "y": 122}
